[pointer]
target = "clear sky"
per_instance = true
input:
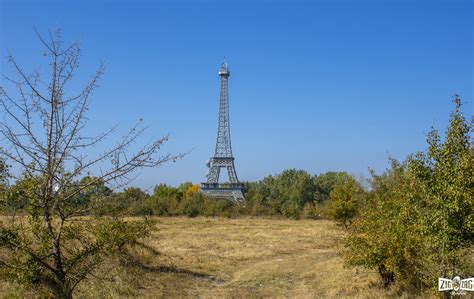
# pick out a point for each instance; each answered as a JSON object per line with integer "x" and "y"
{"x": 315, "y": 85}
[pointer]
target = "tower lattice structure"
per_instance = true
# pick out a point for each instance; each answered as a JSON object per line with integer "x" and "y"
{"x": 223, "y": 157}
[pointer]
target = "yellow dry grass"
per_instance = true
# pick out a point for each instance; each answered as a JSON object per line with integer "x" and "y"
{"x": 237, "y": 258}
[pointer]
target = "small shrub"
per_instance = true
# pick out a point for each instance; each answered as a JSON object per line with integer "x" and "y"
{"x": 310, "y": 211}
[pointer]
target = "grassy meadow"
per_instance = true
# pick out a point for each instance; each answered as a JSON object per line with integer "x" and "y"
{"x": 234, "y": 258}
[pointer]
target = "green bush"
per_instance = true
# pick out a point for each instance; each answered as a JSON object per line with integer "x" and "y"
{"x": 310, "y": 211}
{"x": 417, "y": 222}
{"x": 344, "y": 201}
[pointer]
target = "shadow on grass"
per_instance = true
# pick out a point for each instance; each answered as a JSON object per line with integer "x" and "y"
{"x": 136, "y": 263}
{"x": 172, "y": 269}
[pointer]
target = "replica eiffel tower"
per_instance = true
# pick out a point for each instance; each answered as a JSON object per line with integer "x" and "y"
{"x": 223, "y": 158}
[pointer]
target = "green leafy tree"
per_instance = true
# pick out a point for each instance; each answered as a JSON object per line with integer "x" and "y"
{"x": 134, "y": 194}
{"x": 88, "y": 191}
{"x": 417, "y": 221}
{"x": 344, "y": 201}
{"x": 285, "y": 193}
{"x": 42, "y": 135}
{"x": 386, "y": 234}
{"x": 446, "y": 173}
{"x": 183, "y": 188}
{"x": 193, "y": 206}
{"x": 15, "y": 199}
{"x": 163, "y": 190}
{"x": 324, "y": 184}
{"x": 289, "y": 192}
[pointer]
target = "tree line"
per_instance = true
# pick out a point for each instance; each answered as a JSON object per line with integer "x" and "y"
{"x": 293, "y": 193}
{"x": 412, "y": 223}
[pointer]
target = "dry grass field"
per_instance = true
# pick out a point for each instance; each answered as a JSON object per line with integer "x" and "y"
{"x": 236, "y": 258}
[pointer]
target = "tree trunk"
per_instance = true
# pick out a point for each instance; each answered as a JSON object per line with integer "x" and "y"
{"x": 386, "y": 275}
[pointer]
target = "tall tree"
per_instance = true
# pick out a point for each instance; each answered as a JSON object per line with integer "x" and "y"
{"x": 417, "y": 222}
{"x": 44, "y": 138}
{"x": 446, "y": 172}
{"x": 325, "y": 182}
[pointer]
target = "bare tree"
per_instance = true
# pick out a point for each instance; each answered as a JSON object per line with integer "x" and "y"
{"x": 42, "y": 137}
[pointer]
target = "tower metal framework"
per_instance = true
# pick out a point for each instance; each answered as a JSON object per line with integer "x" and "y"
{"x": 223, "y": 157}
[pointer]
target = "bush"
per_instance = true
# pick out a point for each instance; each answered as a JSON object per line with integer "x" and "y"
{"x": 291, "y": 209}
{"x": 310, "y": 211}
{"x": 344, "y": 201}
{"x": 417, "y": 222}
{"x": 192, "y": 206}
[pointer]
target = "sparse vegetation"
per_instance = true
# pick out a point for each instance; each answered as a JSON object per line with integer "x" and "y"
{"x": 52, "y": 249}
{"x": 226, "y": 258}
{"x": 411, "y": 226}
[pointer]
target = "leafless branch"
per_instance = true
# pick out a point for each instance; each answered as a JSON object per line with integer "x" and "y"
{"x": 42, "y": 134}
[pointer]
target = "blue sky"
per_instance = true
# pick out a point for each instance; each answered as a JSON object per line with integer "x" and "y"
{"x": 315, "y": 85}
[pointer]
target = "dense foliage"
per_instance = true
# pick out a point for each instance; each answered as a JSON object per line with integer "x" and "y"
{"x": 290, "y": 192}
{"x": 293, "y": 193}
{"x": 418, "y": 223}
{"x": 346, "y": 199}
